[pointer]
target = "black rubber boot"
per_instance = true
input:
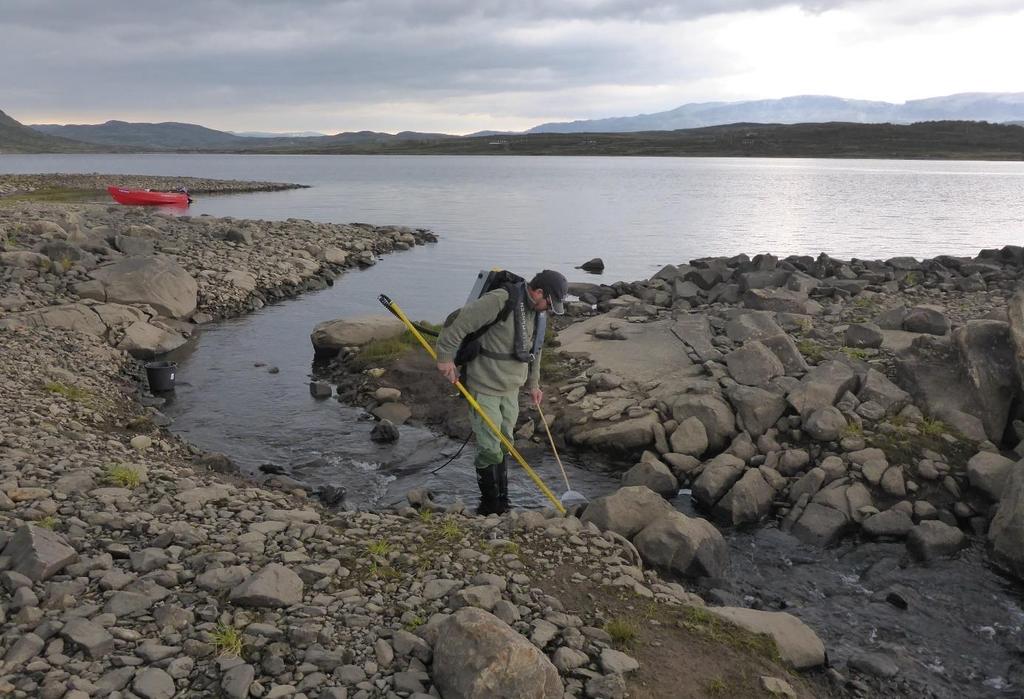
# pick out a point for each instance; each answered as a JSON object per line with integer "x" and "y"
{"x": 502, "y": 478}
{"x": 487, "y": 480}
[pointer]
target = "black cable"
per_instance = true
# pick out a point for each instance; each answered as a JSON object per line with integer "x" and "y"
{"x": 454, "y": 456}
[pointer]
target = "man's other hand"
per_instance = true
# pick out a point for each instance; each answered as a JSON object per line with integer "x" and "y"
{"x": 536, "y": 396}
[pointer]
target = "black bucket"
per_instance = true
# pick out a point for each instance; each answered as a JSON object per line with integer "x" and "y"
{"x": 161, "y": 376}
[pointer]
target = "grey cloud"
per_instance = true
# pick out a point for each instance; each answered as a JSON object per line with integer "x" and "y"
{"x": 234, "y": 55}
{"x": 309, "y": 58}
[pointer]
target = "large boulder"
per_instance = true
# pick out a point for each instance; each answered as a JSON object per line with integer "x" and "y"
{"x": 933, "y": 538}
{"x": 155, "y": 280}
{"x": 25, "y": 260}
{"x": 274, "y": 585}
{"x": 785, "y": 349}
{"x": 863, "y": 335}
{"x": 145, "y": 340}
{"x": 713, "y": 412}
{"x": 752, "y": 325}
{"x": 718, "y": 476}
{"x": 626, "y": 511}
{"x": 38, "y": 553}
{"x": 757, "y": 409}
{"x": 753, "y": 364}
{"x": 748, "y": 501}
{"x": 652, "y": 474}
{"x": 988, "y": 471}
{"x": 689, "y": 437}
{"x": 825, "y": 424}
{"x": 695, "y": 330}
{"x": 330, "y": 336}
{"x": 687, "y": 546}
{"x": 625, "y": 435}
{"x": 821, "y": 525}
{"x": 822, "y": 386}
{"x": 926, "y": 319}
{"x": 781, "y": 301}
{"x": 478, "y": 656}
{"x": 1006, "y": 533}
{"x": 798, "y": 645}
{"x": 878, "y": 388}
{"x": 989, "y": 365}
{"x": 1015, "y": 313}
{"x": 932, "y": 372}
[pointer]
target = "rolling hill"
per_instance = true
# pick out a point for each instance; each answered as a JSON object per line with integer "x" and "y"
{"x": 169, "y": 135}
{"x": 15, "y": 137}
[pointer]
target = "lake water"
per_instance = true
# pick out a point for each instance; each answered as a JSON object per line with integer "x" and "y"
{"x": 960, "y": 636}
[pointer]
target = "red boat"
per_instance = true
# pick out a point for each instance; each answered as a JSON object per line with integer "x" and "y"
{"x": 147, "y": 197}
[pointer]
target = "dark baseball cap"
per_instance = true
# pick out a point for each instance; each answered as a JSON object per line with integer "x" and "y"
{"x": 555, "y": 288}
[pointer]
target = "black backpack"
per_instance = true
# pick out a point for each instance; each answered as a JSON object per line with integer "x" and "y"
{"x": 469, "y": 349}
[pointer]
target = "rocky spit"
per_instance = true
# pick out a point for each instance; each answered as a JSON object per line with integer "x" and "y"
{"x": 872, "y": 400}
{"x": 11, "y": 185}
{"x": 136, "y": 567}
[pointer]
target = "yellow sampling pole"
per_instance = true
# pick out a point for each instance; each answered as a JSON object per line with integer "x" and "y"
{"x": 393, "y": 307}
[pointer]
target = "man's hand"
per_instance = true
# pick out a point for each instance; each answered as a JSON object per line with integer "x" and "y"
{"x": 536, "y": 396}
{"x": 448, "y": 371}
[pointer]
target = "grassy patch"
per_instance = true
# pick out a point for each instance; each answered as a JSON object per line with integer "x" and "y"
{"x": 227, "y": 640}
{"x": 381, "y": 547}
{"x": 554, "y": 367}
{"x": 450, "y": 529}
{"x": 426, "y": 516}
{"x": 74, "y": 393}
{"x": 902, "y": 447}
{"x": 934, "y": 428}
{"x": 623, "y": 632}
{"x": 123, "y": 476}
{"x": 503, "y": 547}
{"x": 811, "y": 350}
{"x": 717, "y": 687}
{"x": 47, "y": 522}
{"x": 54, "y": 194}
{"x": 700, "y": 620}
{"x": 853, "y": 429}
{"x": 414, "y": 623}
{"x": 856, "y": 353}
{"x": 383, "y": 572}
{"x": 379, "y": 352}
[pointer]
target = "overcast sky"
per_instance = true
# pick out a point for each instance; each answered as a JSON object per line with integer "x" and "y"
{"x": 459, "y": 66}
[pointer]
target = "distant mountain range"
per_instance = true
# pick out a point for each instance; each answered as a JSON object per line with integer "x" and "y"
{"x": 171, "y": 135}
{"x": 805, "y": 109}
{"x": 175, "y": 136}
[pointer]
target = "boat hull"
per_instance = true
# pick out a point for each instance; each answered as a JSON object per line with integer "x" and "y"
{"x": 138, "y": 197}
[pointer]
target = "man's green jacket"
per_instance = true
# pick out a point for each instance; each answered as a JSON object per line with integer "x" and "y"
{"x": 495, "y": 377}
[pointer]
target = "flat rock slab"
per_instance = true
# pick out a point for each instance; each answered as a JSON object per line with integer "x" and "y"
{"x": 650, "y": 352}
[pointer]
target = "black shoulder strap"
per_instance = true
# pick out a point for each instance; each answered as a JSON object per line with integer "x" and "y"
{"x": 510, "y": 304}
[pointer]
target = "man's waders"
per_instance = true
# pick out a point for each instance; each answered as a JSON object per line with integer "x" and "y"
{"x": 505, "y": 441}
